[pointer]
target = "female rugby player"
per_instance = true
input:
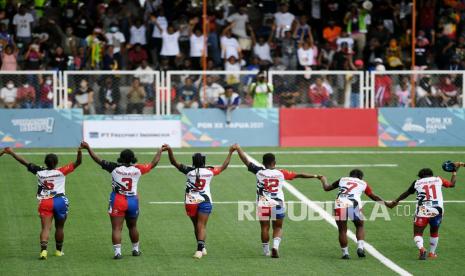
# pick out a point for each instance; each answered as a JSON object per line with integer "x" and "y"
{"x": 124, "y": 201}
{"x": 51, "y": 195}
{"x": 198, "y": 200}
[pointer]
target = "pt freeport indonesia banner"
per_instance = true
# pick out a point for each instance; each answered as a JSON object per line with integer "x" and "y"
{"x": 132, "y": 131}
{"x": 40, "y": 128}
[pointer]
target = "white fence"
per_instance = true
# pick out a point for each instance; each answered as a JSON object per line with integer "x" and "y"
{"x": 360, "y": 89}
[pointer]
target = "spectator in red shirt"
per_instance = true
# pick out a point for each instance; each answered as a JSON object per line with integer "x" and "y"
{"x": 319, "y": 93}
{"x": 26, "y": 95}
{"x": 136, "y": 55}
{"x": 383, "y": 88}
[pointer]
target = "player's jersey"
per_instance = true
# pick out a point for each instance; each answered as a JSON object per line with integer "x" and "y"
{"x": 429, "y": 195}
{"x": 50, "y": 183}
{"x": 350, "y": 192}
{"x": 198, "y": 188}
{"x": 124, "y": 179}
{"x": 270, "y": 183}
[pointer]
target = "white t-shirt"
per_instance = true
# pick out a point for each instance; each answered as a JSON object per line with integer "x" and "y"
{"x": 163, "y": 22}
{"x": 212, "y": 92}
{"x": 23, "y": 24}
{"x": 262, "y": 51}
{"x": 138, "y": 35}
{"x": 348, "y": 40}
{"x": 147, "y": 78}
{"x": 283, "y": 23}
{"x": 196, "y": 43}
{"x": 8, "y": 95}
{"x": 305, "y": 57}
{"x": 170, "y": 45}
{"x": 115, "y": 39}
{"x": 240, "y": 21}
{"x": 230, "y": 47}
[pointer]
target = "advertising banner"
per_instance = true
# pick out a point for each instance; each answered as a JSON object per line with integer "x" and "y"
{"x": 132, "y": 131}
{"x": 37, "y": 128}
{"x": 412, "y": 127}
{"x": 248, "y": 127}
{"x": 311, "y": 127}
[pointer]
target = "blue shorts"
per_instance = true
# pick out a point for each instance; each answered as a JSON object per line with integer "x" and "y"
{"x": 202, "y": 207}
{"x": 56, "y": 207}
{"x": 123, "y": 206}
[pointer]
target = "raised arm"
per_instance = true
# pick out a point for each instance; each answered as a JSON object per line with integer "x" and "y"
{"x": 252, "y": 35}
{"x": 92, "y": 154}
{"x": 78, "y": 158}
{"x": 228, "y": 158}
{"x": 156, "y": 158}
{"x": 16, "y": 156}
{"x": 242, "y": 155}
{"x": 173, "y": 161}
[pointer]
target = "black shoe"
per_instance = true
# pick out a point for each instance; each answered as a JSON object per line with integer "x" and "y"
{"x": 345, "y": 257}
{"x": 274, "y": 253}
{"x": 361, "y": 253}
{"x": 423, "y": 254}
{"x": 117, "y": 257}
{"x": 136, "y": 253}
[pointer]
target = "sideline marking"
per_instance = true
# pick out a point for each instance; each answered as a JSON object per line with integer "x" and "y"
{"x": 287, "y": 202}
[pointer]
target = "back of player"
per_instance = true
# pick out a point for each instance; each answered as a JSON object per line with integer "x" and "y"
{"x": 348, "y": 202}
{"x": 197, "y": 195}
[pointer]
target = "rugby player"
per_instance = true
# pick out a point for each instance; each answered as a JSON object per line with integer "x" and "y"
{"x": 53, "y": 203}
{"x": 270, "y": 197}
{"x": 124, "y": 200}
{"x": 198, "y": 198}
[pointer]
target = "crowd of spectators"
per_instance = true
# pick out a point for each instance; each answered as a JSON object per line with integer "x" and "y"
{"x": 241, "y": 35}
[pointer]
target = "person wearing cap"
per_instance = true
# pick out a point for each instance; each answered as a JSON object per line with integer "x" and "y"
{"x": 260, "y": 91}
{"x": 357, "y": 21}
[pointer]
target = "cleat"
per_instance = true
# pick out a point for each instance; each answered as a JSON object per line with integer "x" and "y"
{"x": 422, "y": 255}
{"x": 345, "y": 257}
{"x": 43, "y": 255}
{"x": 117, "y": 257}
{"x": 197, "y": 255}
{"x": 59, "y": 253}
{"x": 361, "y": 253}
{"x": 267, "y": 254}
{"x": 432, "y": 255}
{"x": 274, "y": 253}
{"x": 204, "y": 251}
{"x": 136, "y": 253}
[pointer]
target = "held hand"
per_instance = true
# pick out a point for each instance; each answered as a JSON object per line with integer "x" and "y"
{"x": 458, "y": 165}
{"x": 2, "y": 152}
{"x": 390, "y": 204}
{"x": 236, "y": 146}
{"x": 165, "y": 147}
{"x": 320, "y": 177}
{"x": 232, "y": 149}
{"x": 84, "y": 145}
{"x": 7, "y": 150}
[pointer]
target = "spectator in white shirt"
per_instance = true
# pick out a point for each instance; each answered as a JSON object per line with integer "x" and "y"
{"x": 9, "y": 95}
{"x": 345, "y": 38}
{"x": 212, "y": 91}
{"x": 161, "y": 25}
{"x": 170, "y": 43}
{"x": 23, "y": 26}
{"x": 229, "y": 45}
{"x": 240, "y": 21}
{"x": 306, "y": 55}
{"x": 284, "y": 20}
{"x": 116, "y": 39}
{"x": 197, "y": 44}
{"x": 147, "y": 79}
{"x": 261, "y": 48}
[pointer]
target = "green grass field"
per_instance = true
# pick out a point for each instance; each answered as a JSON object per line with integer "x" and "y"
{"x": 167, "y": 241}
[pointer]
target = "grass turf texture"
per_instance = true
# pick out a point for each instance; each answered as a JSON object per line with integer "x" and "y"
{"x": 167, "y": 240}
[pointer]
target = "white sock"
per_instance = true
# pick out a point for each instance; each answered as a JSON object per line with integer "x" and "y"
{"x": 266, "y": 248}
{"x": 433, "y": 242}
{"x": 135, "y": 246}
{"x": 117, "y": 248}
{"x": 345, "y": 250}
{"x": 276, "y": 242}
{"x": 360, "y": 244}
{"x": 418, "y": 241}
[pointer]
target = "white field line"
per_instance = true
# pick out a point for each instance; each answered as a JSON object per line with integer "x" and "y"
{"x": 329, "y": 218}
{"x": 307, "y": 166}
{"x": 280, "y": 152}
{"x": 287, "y": 202}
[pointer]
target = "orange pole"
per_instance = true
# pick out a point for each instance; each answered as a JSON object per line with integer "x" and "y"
{"x": 204, "y": 52}
{"x": 413, "y": 41}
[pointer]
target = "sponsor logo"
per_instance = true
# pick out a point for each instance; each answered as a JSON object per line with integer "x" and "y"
{"x": 409, "y": 126}
{"x": 431, "y": 126}
{"x": 35, "y": 125}
{"x": 93, "y": 134}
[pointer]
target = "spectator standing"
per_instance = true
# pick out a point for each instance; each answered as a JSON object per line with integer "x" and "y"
{"x": 421, "y": 51}
{"x": 289, "y": 51}
{"x": 262, "y": 48}
{"x": 284, "y": 20}
{"x": 228, "y": 102}
{"x": 46, "y": 93}
{"x": 260, "y": 92}
{"x": 403, "y": 91}
{"x": 58, "y": 60}
{"x": 229, "y": 44}
{"x": 116, "y": 39}
{"x": 9, "y": 94}
{"x": 26, "y": 96}
{"x": 136, "y": 97}
{"x": 383, "y": 88}
{"x": 170, "y": 43}
{"x": 187, "y": 96}
{"x": 137, "y": 33}
{"x": 357, "y": 22}
{"x": 212, "y": 91}
{"x": 33, "y": 57}
{"x": 84, "y": 97}
{"x": 394, "y": 55}
{"x": 197, "y": 45}
{"x": 70, "y": 42}
{"x": 160, "y": 23}
{"x": 239, "y": 22}
{"x": 9, "y": 58}
{"x": 147, "y": 79}
{"x": 22, "y": 22}
{"x": 109, "y": 97}
{"x": 136, "y": 55}
{"x": 305, "y": 53}
{"x": 331, "y": 32}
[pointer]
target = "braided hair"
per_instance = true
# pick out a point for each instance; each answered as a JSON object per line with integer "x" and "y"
{"x": 198, "y": 161}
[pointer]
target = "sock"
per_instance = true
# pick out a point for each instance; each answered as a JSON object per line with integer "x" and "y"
{"x": 360, "y": 244}
{"x": 433, "y": 242}
{"x": 200, "y": 245}
{"x": 43, "y": 245}
{"x": 418, "y": 241}
{"x": 276, "y": 242}
{"x": 117, "y": 248}
{"x": 266, "y": 247}
{"x": 135, "y": 246}
{"x": 59, "y": 245}
{"x": 345, "y": 250}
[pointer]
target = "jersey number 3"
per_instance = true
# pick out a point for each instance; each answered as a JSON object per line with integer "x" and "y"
{"x": 271, "y": 185}
{"x": 128, "y": 182}
{"x": 48, "y": 184}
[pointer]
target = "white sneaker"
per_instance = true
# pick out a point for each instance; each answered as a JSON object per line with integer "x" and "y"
{"x": 267, "y": 254}
{"x": 204, "y": 251}
{"x": 197, "y": 255}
